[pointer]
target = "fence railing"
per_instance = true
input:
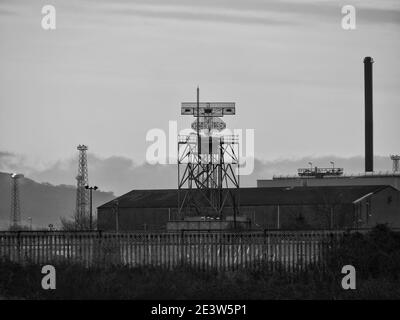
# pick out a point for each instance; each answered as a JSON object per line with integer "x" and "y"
{"x": 276, "y": 250}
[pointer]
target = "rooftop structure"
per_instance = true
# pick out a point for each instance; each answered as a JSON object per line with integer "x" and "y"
{"x": 362, "y": 179}
{"x": 396, "y": 161}
{"x": 319, "y": 172}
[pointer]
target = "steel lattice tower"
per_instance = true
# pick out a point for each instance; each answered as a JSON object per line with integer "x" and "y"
{"x": 82, "y": 194}
{"x": 208, "y": 162}
{"x": 15, "y": 217}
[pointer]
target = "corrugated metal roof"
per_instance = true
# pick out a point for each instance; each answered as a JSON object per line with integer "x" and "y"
{"x": 168, "y": 198}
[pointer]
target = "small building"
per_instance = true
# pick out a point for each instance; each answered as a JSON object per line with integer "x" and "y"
{"x": 326, "y": 207}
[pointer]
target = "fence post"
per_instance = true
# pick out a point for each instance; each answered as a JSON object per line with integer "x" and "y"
{"x": 183, "y": 247}
{"x": 50, "y": 248}
{"x": 265, "y": 253}
{"x": 329, "y": 250}
{"x": 99, "y": 248}
{"x": 19, "y": 246}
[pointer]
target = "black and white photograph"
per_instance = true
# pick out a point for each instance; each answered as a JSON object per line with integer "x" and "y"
{"x": 199, "y": 158}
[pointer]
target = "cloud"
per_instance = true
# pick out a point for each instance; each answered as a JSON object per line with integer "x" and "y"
{"x": 12, "y": 162}
{"x": 205, "y": 15}
{"x": 121, "y": 174}
{"x": 5, "y": 154}
{"x": 288, "y": 167}
{"x": 257, "y": 12}
{"x": 6, "y": 12}
{"x": 116, "y": 174}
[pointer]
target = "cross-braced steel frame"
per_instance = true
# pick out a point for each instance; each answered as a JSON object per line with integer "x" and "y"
{"x": 82, "y": 194}
{"x": 208, "y": 182}
{"x": 15, "y": 217}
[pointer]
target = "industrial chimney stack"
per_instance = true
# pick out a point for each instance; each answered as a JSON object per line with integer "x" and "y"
{"x": 369, "y": 146}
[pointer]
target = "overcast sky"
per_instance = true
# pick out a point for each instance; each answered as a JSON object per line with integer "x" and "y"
{"x": 112, "y": 70}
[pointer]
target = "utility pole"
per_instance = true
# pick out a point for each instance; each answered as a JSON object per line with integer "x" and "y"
{"x": 87, "y": 187}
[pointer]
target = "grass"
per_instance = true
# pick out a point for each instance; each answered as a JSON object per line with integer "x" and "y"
{"x": 76, "y": 282}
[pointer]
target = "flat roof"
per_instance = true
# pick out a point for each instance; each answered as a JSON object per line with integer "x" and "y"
{"x": 379, "y": 174}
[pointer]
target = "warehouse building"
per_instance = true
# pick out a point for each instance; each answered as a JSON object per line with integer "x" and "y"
{"x": 326, "y": 207}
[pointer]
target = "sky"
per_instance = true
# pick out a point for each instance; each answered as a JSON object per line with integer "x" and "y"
{"x": 113, "y": 70}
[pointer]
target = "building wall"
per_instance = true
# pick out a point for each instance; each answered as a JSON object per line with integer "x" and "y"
{"x": 132, "y": 219}
{"x": 300, "y": 216}
{"x": 385, "y": 208}
{"x": 262, "y": 217}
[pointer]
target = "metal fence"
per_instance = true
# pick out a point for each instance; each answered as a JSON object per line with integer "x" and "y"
{"x": 276, "y": 250}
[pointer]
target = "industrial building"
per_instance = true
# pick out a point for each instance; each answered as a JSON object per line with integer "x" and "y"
{"x": 327, "y": 207}
{"x": 370, "y": 179}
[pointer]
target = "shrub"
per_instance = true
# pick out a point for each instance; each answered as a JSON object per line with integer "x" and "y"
{"x": 373, "y": 254}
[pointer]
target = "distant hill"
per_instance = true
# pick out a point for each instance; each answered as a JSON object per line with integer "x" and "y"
{"x": 43, "y": 202}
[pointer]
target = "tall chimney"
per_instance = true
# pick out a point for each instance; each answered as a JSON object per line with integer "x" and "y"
{"x": 369, "y": 143}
